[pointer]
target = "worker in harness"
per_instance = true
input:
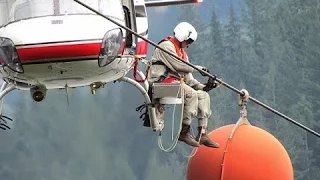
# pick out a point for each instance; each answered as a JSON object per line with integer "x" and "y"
{"x": 165, "y": 68}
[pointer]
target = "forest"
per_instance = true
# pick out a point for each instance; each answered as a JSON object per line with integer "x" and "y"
{"x": 271, "y": 48}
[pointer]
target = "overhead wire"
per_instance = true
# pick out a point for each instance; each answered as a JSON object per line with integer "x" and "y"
{"x": 204, "y": 72}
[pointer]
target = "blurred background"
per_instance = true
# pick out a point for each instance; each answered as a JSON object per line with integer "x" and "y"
{"x": 271, "y": 48}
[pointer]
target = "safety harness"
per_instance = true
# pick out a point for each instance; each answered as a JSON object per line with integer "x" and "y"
{"x": 169, "y": 76}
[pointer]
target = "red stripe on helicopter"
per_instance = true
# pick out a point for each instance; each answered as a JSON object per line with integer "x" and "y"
{"x": 39, "y": 53}
{"x": 45, "y": 52}
{"x": 142, "y": 48}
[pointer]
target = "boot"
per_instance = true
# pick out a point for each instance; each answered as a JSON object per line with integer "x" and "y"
{"x": 205, "y": 140}
{"x": 186, "y": 137}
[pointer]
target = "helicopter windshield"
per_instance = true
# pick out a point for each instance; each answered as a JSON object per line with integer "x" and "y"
{"x": 25, "y": 9}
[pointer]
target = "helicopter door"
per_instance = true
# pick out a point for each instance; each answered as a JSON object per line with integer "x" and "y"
{"x": 142, "y": 27}
{"x": 128, "y": 7}
{"x": 128, "y": 24}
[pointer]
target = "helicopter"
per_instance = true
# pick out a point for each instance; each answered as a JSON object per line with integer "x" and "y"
{"x": 60, "y": 44}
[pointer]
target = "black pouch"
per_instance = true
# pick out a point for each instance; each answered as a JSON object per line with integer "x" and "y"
{"x": 145, "y": 115}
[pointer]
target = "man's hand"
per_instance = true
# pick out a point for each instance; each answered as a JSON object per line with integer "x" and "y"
{"x": 203, "y": 69}
{"x": 211, "y": 84}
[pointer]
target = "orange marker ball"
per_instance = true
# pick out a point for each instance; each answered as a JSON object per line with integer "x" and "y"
{"x": 251, "y": 154}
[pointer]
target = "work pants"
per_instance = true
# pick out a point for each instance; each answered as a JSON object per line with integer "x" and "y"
{"x": 196, "y": 105}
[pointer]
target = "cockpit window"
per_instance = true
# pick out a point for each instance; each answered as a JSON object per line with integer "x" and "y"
{"x": 140, "y": 11}
{"x": 24, "y": 9}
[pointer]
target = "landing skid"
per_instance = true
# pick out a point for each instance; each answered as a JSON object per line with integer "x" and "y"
{"x": 155, "y": 124}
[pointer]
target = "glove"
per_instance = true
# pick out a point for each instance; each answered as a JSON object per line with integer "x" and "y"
{"x": 202, "y": 68}
{"x": 211, "y": 84}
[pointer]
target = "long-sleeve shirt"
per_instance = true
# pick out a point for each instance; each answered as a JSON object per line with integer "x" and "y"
{"x": 175, "y": 65}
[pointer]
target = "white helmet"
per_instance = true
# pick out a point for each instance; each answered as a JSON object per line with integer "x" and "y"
{"x": 185, "y": 31}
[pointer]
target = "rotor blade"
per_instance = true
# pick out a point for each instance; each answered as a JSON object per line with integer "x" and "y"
{"x": 202, "y": 71}
{"x": 169, "y": 2}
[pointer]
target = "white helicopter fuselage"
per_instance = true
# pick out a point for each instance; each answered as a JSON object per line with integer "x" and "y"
{"x": 62, "y": 50}
{"x": 59, "y": 51}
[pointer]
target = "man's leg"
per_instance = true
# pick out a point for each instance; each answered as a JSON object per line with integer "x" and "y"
{"x": 204, "y": 110}
{"x": 204, "y": 113}
{"x": 190, "y": 111}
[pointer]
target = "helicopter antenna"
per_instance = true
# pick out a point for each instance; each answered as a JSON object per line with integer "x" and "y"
{"x": 56, "y": 7}
{"x": 67, "y": 93}
{"x": 203, "y": 72}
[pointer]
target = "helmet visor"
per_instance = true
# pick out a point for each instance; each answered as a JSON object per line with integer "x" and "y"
{"x": 190, "y": 41}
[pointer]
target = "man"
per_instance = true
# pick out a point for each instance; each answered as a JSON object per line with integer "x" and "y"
{"x": 167, "y": 69}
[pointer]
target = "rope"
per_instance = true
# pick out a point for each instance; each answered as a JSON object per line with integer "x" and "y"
{"x": 193, "y": 153}
{"x": 175, "y": 141}
{"x": 224, "y": 158}
{"x": 135, "y": 71}
{"x": 243, "y": 99}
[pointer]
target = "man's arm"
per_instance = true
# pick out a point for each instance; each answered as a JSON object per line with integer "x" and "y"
{"x": 194, "y": 83}
{"x": 171, "y": 61}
